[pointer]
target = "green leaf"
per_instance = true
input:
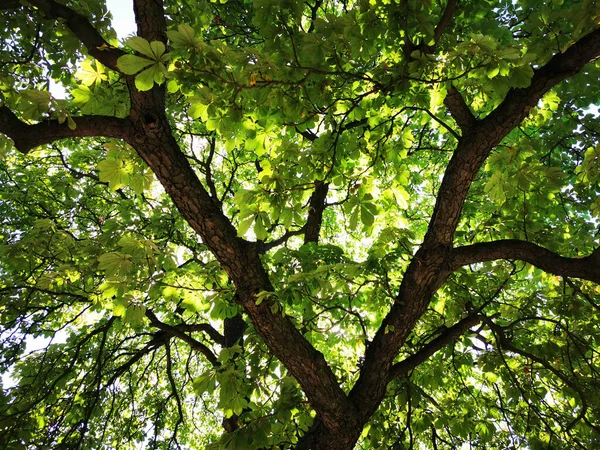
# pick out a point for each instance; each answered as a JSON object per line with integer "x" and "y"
{"x": 263, "y": 295}
{"x": 183, "y": 37}
{"x": 198, "y": 110}
{"x": 115, "y": 172}
{"x": 82, "y": 94}
{"x": 158, "y": 50}
{"x": 206, "y": 382}
{"x": 145, "y": 80}
{"x": 142, "y": 46}
{"x": 521, "y": 76}
{"x": 135, "y": 314}
{"x": 141, "y": 181}
{"x": 492, "y": 70}
{"x": 91, "y": 72}
{"x": 115, "y": 263}
{"x": 132, "y": 64}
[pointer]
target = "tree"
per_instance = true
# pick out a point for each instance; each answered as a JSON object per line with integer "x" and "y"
{"x": 288, "y": 224}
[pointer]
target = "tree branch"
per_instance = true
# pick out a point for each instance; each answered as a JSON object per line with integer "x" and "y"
{"x": 446, "y": 337}
{"x": 506, "y": 344}
{"x": 204, "y": 327}
{"x": 176, "y": 332}
{"x": 83, "y": 29}
{"x": 432, "y": 263}
{"x": 10, "y": 4}
{"x": 280, "y": 240}
{"x": 459, "y": 110}
{"x": 445, "y": 19}
{"x": 316, "y": 207}
{"x": 486, "y": 133}
{"x": 587, "y": 268}
{"x": 27, "y": 137}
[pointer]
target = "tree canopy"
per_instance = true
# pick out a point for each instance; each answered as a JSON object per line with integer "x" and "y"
{"x": 300, "y": 224}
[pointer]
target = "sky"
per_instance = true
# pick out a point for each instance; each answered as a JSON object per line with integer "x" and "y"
{"x": 123, "y": 18}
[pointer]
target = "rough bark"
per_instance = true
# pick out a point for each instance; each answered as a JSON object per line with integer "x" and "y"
{"x": 316, "y": 207}
{"x": 587, "y": 267}
{"x": 27, "y": 137}
{"x": 340, "y": 418}
{"x": 432, "y": 263}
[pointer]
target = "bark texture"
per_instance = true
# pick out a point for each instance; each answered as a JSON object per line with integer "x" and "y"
{"x": 340, "y": 416}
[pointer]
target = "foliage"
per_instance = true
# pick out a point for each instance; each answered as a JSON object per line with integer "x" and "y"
{"x": 287, "y": 224}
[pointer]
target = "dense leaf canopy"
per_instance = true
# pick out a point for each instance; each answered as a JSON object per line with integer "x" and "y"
{"x": 300, "y": 224}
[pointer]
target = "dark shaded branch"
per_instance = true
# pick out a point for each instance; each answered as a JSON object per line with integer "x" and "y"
{"x": 459, "y": 110}
{"x": 446, "y": 337}
{"x": 587, "y": 267}
{"x": 174, "y": 390}
{"x": 176, "y": 332}
{"x": 432, "y": 264}
{"x": 441, "y": 122}
{"x": 10, "y": 4}
{"x": 483, "y": 135}
{"x": 445, "y": 19}
{"x": 313, "y": 14}
{"x": 316, "y": 207}
{"x": 307, "y": 134}
{"x": 27, "y": 137}
{"x": 233, "y": 329}
{"x": 277, "y": 242}
{"x": 438, "y": 32}
{"x": 204, "y": 327}
{"x": 83, "y": 29}
{"x": 158, "y": 340}
{"x": 578, "y": 290}
{"x": 208, "y": 169}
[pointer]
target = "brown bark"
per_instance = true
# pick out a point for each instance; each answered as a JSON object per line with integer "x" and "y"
{"x": 433, "y": 262}
{"x": 339, "y": 417}
{"x": 27, "y": 137}
{"x": 316, "y": 207}
{"x": 587, "y": 268}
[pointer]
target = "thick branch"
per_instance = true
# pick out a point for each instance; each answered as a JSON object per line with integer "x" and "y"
{"x": 445, "y": 19}
{"x": 449, "y": 335}
{"x": 316, "y": 207}
{"x": 27, "y": 137}
{"x": 83, "y": 29}
{"x": 459, "y": 110}
{"x": 148, "y": 131}
{"x": 587, "y": 268}
{"x": 433, "y": 262}
{"x": 155, "y": 143}
{"x": 485, "y": 134}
